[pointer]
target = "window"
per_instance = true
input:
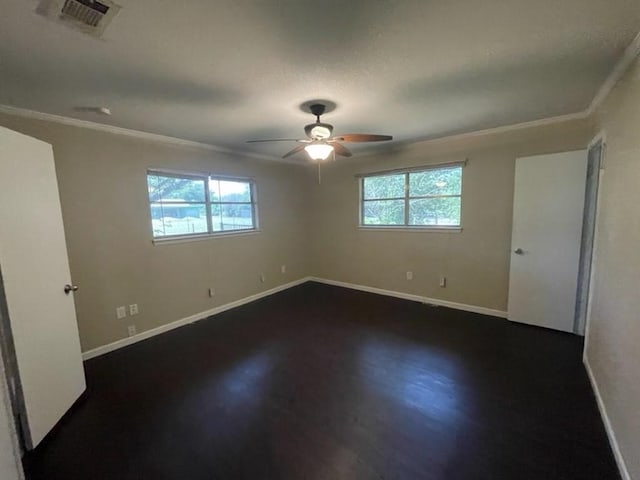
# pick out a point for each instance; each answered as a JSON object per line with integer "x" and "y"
{"x": 199, "y": 204}
{"x": 426, "y": 198}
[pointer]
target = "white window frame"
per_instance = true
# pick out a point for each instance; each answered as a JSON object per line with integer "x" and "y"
{"x": 406, "y": 198}
{"x": 210, "y": 233}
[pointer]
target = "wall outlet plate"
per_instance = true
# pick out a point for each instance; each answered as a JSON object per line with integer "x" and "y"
{"x": 409, "y": 275}
{"x": 121, "y": 312}
{"x": 133, "y": 309}
{"x": 131, "y": 330}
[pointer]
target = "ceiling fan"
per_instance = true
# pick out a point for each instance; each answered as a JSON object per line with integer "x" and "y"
{"x": 319, "y": 143}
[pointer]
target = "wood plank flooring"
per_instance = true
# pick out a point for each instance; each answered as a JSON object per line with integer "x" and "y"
{"x": 320, "y": 382}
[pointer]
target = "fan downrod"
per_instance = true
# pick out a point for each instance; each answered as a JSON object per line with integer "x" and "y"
{"x": 317, "y": 109}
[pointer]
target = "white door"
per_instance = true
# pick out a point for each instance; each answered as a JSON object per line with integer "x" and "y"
{"x": 547, "y": 226}
{"x": 35, "y": 270}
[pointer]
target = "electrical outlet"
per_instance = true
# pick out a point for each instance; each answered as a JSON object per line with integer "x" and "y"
{"x": 121, "y": 312}
{"x": 132, "y": 330}
{"x": 133, "y": 309}
{"x": 283, "y": 269}
{"x": 262, "y": 278}
{"x": 409, "y": 275}
{"x": 212, "y": 292}
{"x": 443, "y": 281}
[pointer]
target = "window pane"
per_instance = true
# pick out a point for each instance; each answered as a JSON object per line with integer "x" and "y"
{"x": 387, "y": 186}
{"x": 152, "y": 187}
{"x": 214, "y": 190}
{"x": 163, "y": 188}
{"x": 435, "y": 211}
{"x": 440, "y": 181}
{"x": 178, "y": 219}
{"x": 233, "y": 191}
{"x": 383, "y": 212}
{"x": 226, "y": 217}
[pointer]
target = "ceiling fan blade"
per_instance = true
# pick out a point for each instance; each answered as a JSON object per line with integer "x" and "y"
{"x": 276, "y": 140}
{"x": 297, "y": 149}
{"x": 341, "y": 150}
{"x": 362, "y": 137}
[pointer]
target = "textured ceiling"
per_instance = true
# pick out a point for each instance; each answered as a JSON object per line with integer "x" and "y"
{"x": 225, "y": 71}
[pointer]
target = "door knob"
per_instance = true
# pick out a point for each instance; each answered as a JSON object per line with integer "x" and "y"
{"x": 70, "y": 288}
{"x": 518, "y": 251}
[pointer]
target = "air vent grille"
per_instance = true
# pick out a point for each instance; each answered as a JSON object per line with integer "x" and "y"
{"x": 85, "y": 11}
{"x": 88, "y": 16}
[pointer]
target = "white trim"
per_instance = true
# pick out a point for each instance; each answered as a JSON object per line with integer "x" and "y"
{"x": 198, "y": 174}
{"x": 101, "y": 127}
{"x": 508, "y": 128}
{"x": 622, "y": 466}
{"x": 412, "y": 297}
{"x": 594, "y": 259}
{"x": 601, "y": 136}
{"x": 415, "y": 169}
{"x": 95, "y": 352}
{"x": 5, "y": 404}
{"x": 412, "y": 229}
{"x": 631, "y": 52}
{"x": 165, "y": 139}
{"x": 204, "y": 236}
{"x": 479, "y": 133}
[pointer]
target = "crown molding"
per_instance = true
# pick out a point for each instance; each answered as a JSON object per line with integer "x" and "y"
{"x": 541, "y": 122}
{"x": 621, "y": 67}
{"x": 167, "y": 140}
{"x": 150, "y": 137}
{"x": 480, "y": 133}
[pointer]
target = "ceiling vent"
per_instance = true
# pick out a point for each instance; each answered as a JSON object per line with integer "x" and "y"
{"x": 88, "y": 16}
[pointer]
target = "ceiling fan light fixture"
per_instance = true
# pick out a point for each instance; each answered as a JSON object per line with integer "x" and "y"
{"x": 320, "y": 143}
{"x": 320, "y": 131}
{"x": 319, "y": 151}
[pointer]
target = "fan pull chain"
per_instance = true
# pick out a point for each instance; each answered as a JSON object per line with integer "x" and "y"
{"x": 319, "y": 176}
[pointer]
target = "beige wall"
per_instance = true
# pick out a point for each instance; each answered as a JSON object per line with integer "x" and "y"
{"x": 102, "y": 180}
{"x": 613, "y": 338}
{"x": 476, "y": 260}
{"x": 105, "y": 210}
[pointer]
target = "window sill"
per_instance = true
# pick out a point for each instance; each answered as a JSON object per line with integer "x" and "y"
{"x": 404, "y": 228}
{"x": 207, "y": 236}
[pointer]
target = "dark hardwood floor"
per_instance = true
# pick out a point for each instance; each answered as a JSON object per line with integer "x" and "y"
{"x": 320, "y": 382}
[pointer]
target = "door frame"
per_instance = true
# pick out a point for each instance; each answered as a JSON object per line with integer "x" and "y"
{"x": 601, "y": 136}
{"x": 11, "y": 382}
{"x": 583, "y": 295}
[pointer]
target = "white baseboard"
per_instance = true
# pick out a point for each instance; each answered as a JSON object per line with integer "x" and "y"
{"x": 185, "y": 321}
{"x": 95, "y": 352}
{"x": 622, "y": 466}
{"x": 415, "y": 298}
